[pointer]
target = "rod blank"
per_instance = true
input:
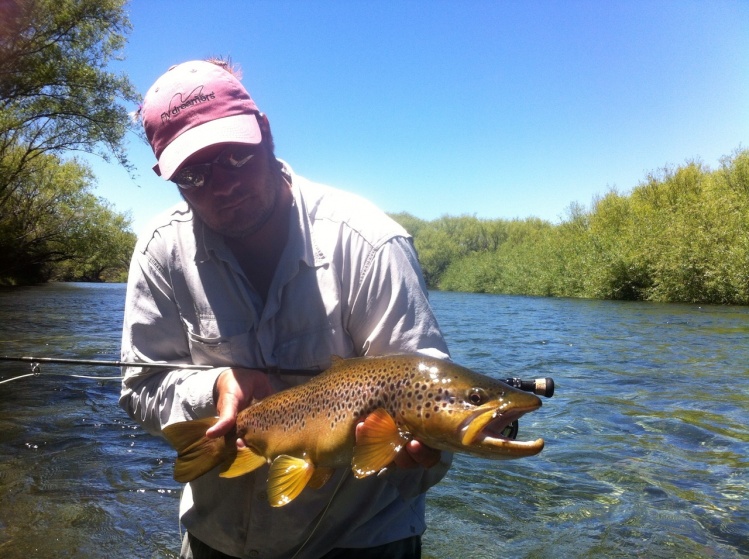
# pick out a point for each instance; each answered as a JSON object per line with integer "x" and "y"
{"x": 103, "y": 363}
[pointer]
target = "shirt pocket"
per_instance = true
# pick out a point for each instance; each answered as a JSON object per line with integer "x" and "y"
{"x": 313, "y": 346}
{"x": 210, "y": 345}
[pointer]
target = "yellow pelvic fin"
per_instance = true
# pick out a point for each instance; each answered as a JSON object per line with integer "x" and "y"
{"x": 377, "y": 443}
{"x": 287, "y": 478}
{"x": 246, "y": 461}
{"x": 196, "y": 454}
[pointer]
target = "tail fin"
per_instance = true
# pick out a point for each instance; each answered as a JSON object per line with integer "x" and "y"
{"x": 196, "y": 454}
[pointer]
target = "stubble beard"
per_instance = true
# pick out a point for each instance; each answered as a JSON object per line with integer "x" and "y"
{"x": 249, "y": 221}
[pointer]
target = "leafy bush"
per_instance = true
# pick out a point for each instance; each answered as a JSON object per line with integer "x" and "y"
{"x": 681, "y": 235}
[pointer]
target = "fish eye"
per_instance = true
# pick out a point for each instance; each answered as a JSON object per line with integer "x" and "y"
{"x": 477, "y": 396}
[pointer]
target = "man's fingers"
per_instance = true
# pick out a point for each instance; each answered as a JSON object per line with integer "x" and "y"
{"x": 226, "y": 420}
{"x": 235, "y": 389}
{"x": 220, "y": 428}
{"x": 422, "y": 455}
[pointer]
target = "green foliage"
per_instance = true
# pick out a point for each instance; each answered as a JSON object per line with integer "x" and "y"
{"x": 447, "y": 239}
{"x": 57, "y": 95}
{"x": 680, "y": 235}
{"x": 54, "y": 227}
{"x": 56, "y": 92}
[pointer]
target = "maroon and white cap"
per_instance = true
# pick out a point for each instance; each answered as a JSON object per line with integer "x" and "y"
{"x": 195, "y": 105}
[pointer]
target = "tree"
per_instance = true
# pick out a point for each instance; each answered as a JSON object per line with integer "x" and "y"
{"x": 58, "y": 96}
{"x": 56, "y": 93}
{"x": 57, "y": 227}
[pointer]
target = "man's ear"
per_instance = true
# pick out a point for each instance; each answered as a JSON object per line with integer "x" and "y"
{"x": 264, "y": 124}
{"x": 262, "y": 120}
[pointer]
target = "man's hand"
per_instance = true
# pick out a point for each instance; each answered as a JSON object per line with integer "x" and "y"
{"x": 414, "y": 454}
{"x": 235, "y": 389}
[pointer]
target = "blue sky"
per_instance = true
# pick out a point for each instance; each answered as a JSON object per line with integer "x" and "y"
{"x": 499, "y": 109}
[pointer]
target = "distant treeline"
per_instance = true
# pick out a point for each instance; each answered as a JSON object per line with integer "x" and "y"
{"x": 681, "y": 235}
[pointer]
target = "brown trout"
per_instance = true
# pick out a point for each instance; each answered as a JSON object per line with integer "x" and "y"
{"x": 305, "y": 432}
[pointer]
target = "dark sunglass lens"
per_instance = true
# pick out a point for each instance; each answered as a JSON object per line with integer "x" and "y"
{"x": 192, "y": 177}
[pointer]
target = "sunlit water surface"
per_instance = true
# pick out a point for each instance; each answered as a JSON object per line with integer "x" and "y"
{"x": 646, "y": 436}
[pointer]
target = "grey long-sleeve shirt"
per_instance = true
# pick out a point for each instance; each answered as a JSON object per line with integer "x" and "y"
{"x": 348, "y": 284}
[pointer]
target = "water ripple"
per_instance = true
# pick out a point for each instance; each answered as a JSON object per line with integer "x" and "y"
{"x": 645, "y": 437}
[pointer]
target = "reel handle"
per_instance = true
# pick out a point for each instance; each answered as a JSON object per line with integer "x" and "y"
{"x": 539, "y": 386}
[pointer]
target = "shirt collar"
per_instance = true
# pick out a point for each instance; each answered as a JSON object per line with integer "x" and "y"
{"x": 309, "y": 250}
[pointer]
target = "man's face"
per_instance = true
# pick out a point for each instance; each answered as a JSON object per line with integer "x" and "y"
{"x": 234, "y": 202}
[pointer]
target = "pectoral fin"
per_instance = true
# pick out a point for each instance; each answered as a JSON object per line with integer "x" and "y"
{"x": 246, "y": 461}
{"x": 377, "y": 443}
{"x": 287, "y": 478}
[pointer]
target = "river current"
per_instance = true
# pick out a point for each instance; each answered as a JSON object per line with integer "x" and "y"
{"x": 646, "y": 435}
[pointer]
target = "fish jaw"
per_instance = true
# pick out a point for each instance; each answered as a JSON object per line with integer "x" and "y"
{"x": 481, "y": 434}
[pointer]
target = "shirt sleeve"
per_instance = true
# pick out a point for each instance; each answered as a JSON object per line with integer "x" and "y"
{"x": 390, "y": 313}
{"x": 153, "y": 332}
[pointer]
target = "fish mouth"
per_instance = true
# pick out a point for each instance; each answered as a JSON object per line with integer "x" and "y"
{"x": 482, "y": 434}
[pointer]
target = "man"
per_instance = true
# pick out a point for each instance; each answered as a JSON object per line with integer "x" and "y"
{"x": 260, "y": 268}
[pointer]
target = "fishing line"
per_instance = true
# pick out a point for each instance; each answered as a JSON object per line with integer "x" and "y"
{"x": 19, "y": 377}
{"x": 39, "y": 374}
{"x": 322, "y": 514}
{"x": 36, "y": 369}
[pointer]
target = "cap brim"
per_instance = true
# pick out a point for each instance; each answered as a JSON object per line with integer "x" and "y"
{"x": 239, "y": 129}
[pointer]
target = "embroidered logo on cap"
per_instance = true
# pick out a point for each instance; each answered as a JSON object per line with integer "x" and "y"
{"x": 195, "y": 97}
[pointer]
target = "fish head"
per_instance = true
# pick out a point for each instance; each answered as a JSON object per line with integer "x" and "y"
{"x": 453, "y": 408}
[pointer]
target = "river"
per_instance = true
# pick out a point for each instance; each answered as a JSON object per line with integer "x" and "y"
{"x": 646, "y": 435}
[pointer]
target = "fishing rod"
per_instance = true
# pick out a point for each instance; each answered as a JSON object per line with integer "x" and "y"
{"x": 103, "y": 363}
{"x": 539, "y": 386}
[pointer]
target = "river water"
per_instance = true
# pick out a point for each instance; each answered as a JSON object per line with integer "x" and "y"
{"x": 646, "y": 436}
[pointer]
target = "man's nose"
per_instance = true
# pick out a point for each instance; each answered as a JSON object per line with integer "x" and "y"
{"x": 225, "y": 182}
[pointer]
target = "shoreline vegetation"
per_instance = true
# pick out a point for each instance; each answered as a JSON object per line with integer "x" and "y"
{"x": 681, "y": 235}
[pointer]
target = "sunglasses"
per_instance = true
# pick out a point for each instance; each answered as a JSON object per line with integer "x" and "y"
{"x": 195, "y": 176}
